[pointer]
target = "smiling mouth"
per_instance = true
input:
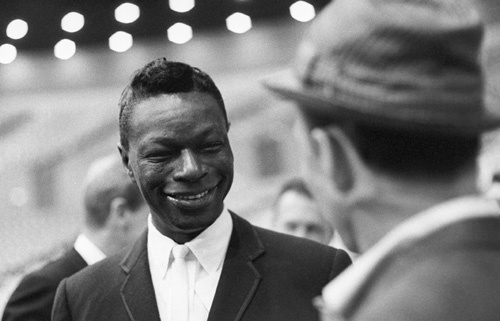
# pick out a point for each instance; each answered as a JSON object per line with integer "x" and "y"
{"x": 192, "y": 201}
{"x": 189, "y": 197}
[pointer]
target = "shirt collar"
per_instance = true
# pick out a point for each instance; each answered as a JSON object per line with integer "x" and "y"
{"x": 209, "y": 247}
{"x": 88, "y": 250}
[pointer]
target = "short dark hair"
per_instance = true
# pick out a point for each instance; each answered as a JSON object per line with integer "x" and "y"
{"x": 106, "y": 180}
{"x": 160, "y": 77}
{"x": 405, "y": 152}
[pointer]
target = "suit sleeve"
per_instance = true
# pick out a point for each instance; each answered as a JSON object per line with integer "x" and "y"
{"x": 32, "y": 300}
{"x": 61, "y": 310}
{"x": 340, "y": 263}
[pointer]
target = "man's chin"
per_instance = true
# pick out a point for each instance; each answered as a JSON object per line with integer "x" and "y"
{"x": 196, "y": 224}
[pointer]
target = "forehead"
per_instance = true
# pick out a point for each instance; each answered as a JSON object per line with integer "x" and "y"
{"x": 175, "y": 111}
{"x": 292, "y": 197}
{"x": 297, "y": 206}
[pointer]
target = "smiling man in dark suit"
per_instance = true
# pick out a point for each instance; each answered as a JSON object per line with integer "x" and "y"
{"x": 175, "y": 146}
{"x": 115, "y": 216}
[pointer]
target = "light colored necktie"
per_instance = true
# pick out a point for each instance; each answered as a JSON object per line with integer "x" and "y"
{"x": 180, "y": 282}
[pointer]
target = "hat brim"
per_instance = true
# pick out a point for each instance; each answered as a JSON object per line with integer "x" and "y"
{"x": 325, "y": 110}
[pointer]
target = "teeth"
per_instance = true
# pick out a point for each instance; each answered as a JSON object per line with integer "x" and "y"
{"x": 190, "y": 197}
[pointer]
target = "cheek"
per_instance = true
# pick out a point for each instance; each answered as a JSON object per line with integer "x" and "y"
{"x": 150, "y": 176}
{"x": 224, "y": 163}
{"x": 228, "y": 169}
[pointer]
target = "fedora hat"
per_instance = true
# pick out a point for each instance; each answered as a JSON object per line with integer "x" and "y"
{"x": 393, "y": 63}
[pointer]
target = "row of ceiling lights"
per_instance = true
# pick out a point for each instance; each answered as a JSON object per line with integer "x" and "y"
{"x": 121, "y": 41}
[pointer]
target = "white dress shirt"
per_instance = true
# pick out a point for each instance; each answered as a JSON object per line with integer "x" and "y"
{"x": 88, "y": 250}
{"x": 204, "y": 264}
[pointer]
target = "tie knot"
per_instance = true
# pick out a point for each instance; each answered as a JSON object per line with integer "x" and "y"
{"x": 180, "y": 251}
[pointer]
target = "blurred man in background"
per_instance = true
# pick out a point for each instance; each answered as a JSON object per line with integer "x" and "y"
{"x": 115, "y": 215}
{"x": 295, "y": 212}
{"x": 391, "y": 94}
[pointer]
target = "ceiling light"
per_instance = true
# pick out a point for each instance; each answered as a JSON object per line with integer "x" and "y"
{"x": 17, "y": 29}
{"x": 65, "y": 49}
{"x": 121, "y": 41}
{"x": 127, "y": 13}
{"x": 302, "y": 11}
{"x": 180, "y": 33}
{"x": 72, "y": 22}
{"x": 8, "y": 53}
{"x": 239, "y": 22}
{"x": 181, "y": 5}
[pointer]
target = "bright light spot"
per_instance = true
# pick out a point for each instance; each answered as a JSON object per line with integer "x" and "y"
{"x": 180, "y": 33}
{"x": 8, "y": 53}
{"x": 17, "y": 29}
{"x": 121, "y": 41}
{"x": 302, "y": 11}
{"x": 181, "y": 5}
{"x": 127, "y": 13}
{"x": 72, "y": 22}
{"x": 18, "y": 196}
{"x": 239, "y": 22}
{"x": 64, "y": 49}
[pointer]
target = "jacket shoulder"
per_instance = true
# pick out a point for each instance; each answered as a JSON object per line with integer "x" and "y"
{"x": 33, "y": 297}
{"x": 303, "y": 249}
{"x": 301, "y": 255}
{"x": 96, "y": 274}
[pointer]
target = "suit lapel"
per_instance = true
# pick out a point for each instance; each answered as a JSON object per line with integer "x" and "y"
{"x": 239, "y": 278}
{"x": 137, "y": 291}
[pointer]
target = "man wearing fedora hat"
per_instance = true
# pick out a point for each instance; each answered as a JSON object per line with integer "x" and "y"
{"x": 392, "y": 111}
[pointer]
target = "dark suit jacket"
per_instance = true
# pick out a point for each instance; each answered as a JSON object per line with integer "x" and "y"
{"x": 33, "y": 298}
{"x": 266, "y": 276}
{"x": 453, "y": 274}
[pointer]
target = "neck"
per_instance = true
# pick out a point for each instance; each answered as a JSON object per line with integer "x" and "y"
{"x": 181, "y": 238}
{"x": 176, "y": 234}
{"x": 101, "y": 238}
{"x": 398, "y": 199}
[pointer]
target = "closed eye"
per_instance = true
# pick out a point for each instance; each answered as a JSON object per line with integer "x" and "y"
{"x": 212, "y": 147}
{"x": 160, "y": 156}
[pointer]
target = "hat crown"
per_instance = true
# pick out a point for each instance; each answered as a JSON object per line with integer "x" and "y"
{"x": 416, "y": 59}
{"x": 397, "y": 51}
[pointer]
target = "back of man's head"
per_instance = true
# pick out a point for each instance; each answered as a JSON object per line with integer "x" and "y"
{"x": 106, "y": 181}
{"x": 115, "y": 211}
{"x": 392, "y": 92}
{"x": 412, "y": 154}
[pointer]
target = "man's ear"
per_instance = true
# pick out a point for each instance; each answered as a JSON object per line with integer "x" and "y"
{"x": 338, "y": 158}
{"x": 332, "y": 156}
{"x": 119, "y": 205}
{"x": 118, "y": 211}
{"x": 125, "y": 160}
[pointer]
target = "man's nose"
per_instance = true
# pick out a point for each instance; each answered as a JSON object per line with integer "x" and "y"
{"x": 189, "y": 167}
